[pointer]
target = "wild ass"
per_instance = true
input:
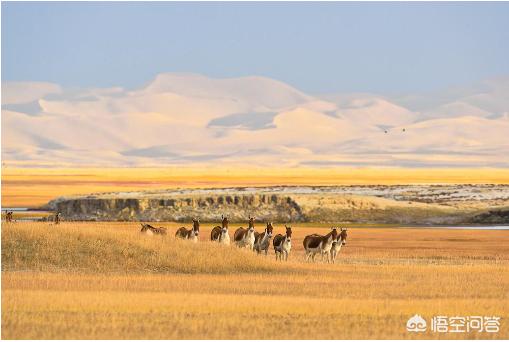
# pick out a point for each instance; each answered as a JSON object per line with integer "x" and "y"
{"x": 57, "y": 218}
{"x": 8, "y": 216}
{"x": 220, "y": 234}
{"x": 262, "y": 241}
{"x": 189, "y": 234}
{"x": 283, "y": 244}
{"x": 245, "y": 237}
{"x": 336, "y": 245}
{"x": 315, "y": 243}
{"x": 151, "y": 230}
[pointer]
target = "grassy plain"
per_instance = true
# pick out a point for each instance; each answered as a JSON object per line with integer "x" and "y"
{"x": 105, "y": 280}
{"x": 30, "y": 187}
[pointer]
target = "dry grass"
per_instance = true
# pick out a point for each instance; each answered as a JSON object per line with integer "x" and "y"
{"x": 115, "y": 248}
{"x": 36, "y": 186}
{"x": 104, "y": 280}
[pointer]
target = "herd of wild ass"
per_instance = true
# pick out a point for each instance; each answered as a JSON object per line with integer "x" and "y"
{"x": 327, "y": 245}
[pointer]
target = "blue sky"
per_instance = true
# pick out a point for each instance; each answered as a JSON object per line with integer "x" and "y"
{"x": 317, "y": 47}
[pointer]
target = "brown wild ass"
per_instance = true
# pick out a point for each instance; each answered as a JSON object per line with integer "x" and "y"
{"x": 283, "y": 244}
{"x": 189, "y": 234}
{"x": 245, "y": 237}
{"x": 151, "y": 230}
{"x": 8, "y": 216}
{"x": 262, "y": 241}
{"x": 220, "y": 234}
{"x": 315, "y": 243}
{"x": 336, "y": 245}
{"x": 57, "y": 218}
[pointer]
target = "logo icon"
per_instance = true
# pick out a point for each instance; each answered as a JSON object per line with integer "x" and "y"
{"x": 416, "y": 324}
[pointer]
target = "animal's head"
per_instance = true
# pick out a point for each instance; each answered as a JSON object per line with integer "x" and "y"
{"x": 196, "y": 226}
{"x": 343, "y": 236}
{"x": 251, "y": 223}
{"x": 334, "y": 233}
{"x": 288, "y": 232}
{"x": 224, "y": 222}
{"x": 269, "y": 229}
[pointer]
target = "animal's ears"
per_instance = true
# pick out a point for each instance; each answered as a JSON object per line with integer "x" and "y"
{"x": 222, "y": 217}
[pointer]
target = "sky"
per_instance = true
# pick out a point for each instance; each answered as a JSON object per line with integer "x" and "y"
{"x": 317, "y": 85}
{"x": 383, "y": 48}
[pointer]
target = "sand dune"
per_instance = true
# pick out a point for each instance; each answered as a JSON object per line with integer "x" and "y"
{"x": 187, "y": 118}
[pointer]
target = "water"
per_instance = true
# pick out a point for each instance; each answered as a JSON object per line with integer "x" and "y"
{"x": 27, "y": 214}
{"x": 494, "y": 227}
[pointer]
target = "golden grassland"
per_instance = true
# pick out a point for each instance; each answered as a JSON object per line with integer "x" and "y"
{"x": 28, "y": 187}
{"x": 105, "y": 280}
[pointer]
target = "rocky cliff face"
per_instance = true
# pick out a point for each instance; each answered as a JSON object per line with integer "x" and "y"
{"x": 389, "y": 204}
{"x": 182, "y": 208}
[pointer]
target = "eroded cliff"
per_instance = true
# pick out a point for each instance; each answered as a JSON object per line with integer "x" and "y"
{"x": 287, "y": 204}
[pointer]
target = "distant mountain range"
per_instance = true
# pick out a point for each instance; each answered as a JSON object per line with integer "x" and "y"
{"x": 192, "y": 119}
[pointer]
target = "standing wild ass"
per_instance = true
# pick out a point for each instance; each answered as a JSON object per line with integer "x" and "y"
{"x": 315, "y": 243}
{"x": 151, "y": 230}
{"x": 262, "y": 241}
{"x": 336, "y": 245}
{"x": 245, "y": 237}
{"x": 220, "y": 234}
{"x": 283, "y": 244}
{"x": 8, "y": 216}
{"x": 189, "y": 234}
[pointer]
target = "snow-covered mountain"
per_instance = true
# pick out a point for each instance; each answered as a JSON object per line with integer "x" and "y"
{"x": 189, "y": 118}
